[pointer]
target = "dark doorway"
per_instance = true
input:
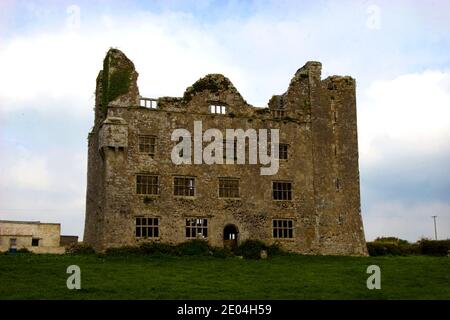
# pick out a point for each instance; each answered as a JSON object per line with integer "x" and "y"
{"x": 230, "y": 236}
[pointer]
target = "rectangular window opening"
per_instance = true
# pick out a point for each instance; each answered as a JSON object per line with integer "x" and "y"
{"x": 147, "y": 184}
{"x": 184, "y": 186}
{"x": 283, "y": 151}
{"x": 283, "y": 228}
{"x": 228, "y": 188}
{"x": 281, "y": 190}
{"x": 217, "y": 109}
{"x": 147, "y": 144}
{"x": 196, "y": 228}
{"x": 147, "y": 227}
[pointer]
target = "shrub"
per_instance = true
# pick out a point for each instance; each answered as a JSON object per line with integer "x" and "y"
{"x": 125, "y": 250}
{"x": 378, "y": 248}
{"x": 434, "y": 247}
{"x": 80, "y": 248}
{"x": 23, "y": 250}
{"x": 157, "y": 247}
{"x": 193, "y": 247}
{"x": 251, "y": 249}
{"x": 392, "y": 240}
{"x": 382, "y": 249}
{"x": 274, "y": 250}
{"x": 222, "y": 252}
{"x": 395, "y": 246}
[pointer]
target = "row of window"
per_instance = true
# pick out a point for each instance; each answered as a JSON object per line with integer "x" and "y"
{"x": 34, "y": 242}
{"x": 228, "y": 187}
{"x": 278, "y": 112}
{"x": 147, "y": 145}
{"x": 198, "y": 227}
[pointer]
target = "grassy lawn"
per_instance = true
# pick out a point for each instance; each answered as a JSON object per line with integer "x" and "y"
{"x": 28, "y": 276}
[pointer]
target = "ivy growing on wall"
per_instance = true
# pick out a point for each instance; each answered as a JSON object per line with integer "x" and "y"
{"x": 212, "y": 82}
{"x": 116, "y": 80}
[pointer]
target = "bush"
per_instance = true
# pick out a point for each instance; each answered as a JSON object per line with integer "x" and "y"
{"x": 392, "y": 240}
{"x": 274, "y": 250}
{"x": 79, "y": 248}
{"x": 194, "y": 247}
{"x": 391, "y": 246}
{"x": 125, "y": 250}
{"x": 251, "y": 249}
{"x": 382, "y": 249}
{"x": 395, "y": 247}
{"x": 23, "y": 250}
{"x": 222, "y": 252}
{"x": 157, "y": 247}
{"x": 434, "y": 247}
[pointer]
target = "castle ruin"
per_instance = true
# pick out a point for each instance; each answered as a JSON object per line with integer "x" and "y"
{"x": 136, "y": 194}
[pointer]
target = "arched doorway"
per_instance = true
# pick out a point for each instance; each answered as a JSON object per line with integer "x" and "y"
{"x": 230, "y": 236}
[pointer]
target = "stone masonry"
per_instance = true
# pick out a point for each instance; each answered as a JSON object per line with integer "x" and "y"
{"x": 34, "y": 236}
{"x": 316, "y": 120}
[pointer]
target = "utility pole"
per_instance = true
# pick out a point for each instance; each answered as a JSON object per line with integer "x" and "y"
{"x": 435, "y": 230}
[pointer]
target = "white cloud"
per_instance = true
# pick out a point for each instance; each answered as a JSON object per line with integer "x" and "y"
{"x": 407, "y": 221}
{"x": 23, "y": 169}
{"x": 30, "y": 173}
{"x": 49, "y": 186}
{"x": 411, "y": 112}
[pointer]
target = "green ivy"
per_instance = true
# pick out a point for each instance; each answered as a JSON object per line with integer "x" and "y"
{"x": 114, "y": 83}
{"x": 213, "y": 83}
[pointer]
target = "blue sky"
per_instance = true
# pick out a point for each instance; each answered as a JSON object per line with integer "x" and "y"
{"x": 51, "y": 51}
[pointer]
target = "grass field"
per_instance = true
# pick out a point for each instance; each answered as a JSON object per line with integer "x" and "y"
{"x": 29, "y": 276}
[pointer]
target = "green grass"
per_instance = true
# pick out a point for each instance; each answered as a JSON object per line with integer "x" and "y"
{"x": 29, "y": 276}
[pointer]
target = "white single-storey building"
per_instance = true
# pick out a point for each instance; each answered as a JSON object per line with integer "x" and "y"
{"x": 32, "y": 235}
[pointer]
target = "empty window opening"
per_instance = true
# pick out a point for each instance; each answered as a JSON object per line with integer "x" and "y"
{"x": 281, "y": 190}
{"x": 147, "y": 144}
{"x": 196, "y": 228}
{"x": 279, "y": 110}
{"x": 148, "y": 103}
{"x": 278, "y": 113}
{"x": 147, "y": 227}
{"x": 228, "y": 188}
{"x": 184, "y": 186}
{"x": 35, "y": 242}
{"x": 283, "y": 151}
{"x": 334, "y": 116}
{"x": 283, "y": 228}
{"x": 147, "y": 184}
{"x": 338, "y": 184}
{"x": 218, "y": 109}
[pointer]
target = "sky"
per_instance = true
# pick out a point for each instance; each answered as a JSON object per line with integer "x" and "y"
{"x": 398, "y": 52}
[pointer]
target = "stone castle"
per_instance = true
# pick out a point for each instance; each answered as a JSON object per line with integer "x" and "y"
{"x": 135, "y": 193}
